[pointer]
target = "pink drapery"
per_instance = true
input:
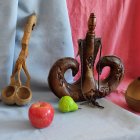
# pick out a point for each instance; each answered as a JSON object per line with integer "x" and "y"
{"x": 118, "y": 24}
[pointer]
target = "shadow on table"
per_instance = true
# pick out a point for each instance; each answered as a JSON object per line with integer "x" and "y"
{"x": 15, "y": 126}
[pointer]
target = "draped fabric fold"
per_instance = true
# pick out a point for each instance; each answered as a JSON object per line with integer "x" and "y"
{"x": 50, "y": 40}
{"x": 8, "y": 14}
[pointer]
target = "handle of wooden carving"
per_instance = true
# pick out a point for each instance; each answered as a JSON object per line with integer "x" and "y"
{"x": 28, "y": 29}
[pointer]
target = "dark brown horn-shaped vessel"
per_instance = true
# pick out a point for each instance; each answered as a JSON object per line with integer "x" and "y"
{"x": 86, "y": 87}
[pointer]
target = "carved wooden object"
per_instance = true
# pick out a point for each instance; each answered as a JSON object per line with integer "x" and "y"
{"x": 21, "y": 61}
{"x": 16, "y": 92}
{"x": 86, "y": 88}
{"x": 132, "y": 95}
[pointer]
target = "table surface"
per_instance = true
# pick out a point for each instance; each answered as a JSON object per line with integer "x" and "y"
{"x": 110, "y": 123}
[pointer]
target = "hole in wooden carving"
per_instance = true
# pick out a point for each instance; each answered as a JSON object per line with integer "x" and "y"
{"x": 104, "y": 74}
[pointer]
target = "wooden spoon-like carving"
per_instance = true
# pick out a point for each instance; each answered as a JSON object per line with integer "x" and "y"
{"x": 15, "y": 92}
{"x": 86, "y": 88}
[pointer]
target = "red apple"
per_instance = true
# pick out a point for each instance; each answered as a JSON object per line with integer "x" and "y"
{"x": 41, "y": 114}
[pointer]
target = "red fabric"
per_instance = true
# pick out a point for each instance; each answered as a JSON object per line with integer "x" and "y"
{"x": 118, "y": 24}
